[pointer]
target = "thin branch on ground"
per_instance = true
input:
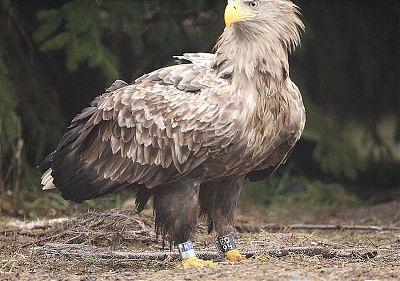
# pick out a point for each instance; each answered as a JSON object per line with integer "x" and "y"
{"x": 44, "y": 224}
{"x": 280, "y": 227}
{"x": 33, "y": 225}
{"x": 96, "y": 252}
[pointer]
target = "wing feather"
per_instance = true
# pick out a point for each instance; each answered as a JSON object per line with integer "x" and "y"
{"x": 156, "y": 130}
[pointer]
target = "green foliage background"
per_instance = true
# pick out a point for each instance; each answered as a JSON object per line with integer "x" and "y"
{"x": 56, "y": 56}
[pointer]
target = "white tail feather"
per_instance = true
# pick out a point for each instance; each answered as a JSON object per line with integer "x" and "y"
{"x": 47, "y": 180}
{"x": 46, "y": 176}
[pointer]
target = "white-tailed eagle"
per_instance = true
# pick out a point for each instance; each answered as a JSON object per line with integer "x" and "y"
{"x": 188, "y": 134}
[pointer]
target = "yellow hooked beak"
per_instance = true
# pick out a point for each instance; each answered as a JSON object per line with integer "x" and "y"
{"x": 235, "y": 12}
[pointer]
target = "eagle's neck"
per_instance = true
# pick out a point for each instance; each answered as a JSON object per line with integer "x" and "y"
{"x": 259, "y": 66}
{"x": 250, "y": 54}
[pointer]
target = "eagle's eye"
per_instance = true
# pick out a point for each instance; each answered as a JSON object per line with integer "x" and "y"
{"x": 253, "y": 4}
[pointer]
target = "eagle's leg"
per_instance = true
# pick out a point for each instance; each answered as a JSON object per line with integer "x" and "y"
{"x": 176, "y": 212}
{"x": 218, "y": 202}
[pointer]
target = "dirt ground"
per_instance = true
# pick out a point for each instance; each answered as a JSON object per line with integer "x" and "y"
{"x": 22, "y": 258}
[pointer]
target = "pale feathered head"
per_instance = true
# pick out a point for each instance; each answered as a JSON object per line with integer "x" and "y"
{"x": 269, "y": 19}
{"x": 259, "y": 30}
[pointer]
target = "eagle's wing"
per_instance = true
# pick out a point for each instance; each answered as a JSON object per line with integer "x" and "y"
{"x": 154, "y": 131}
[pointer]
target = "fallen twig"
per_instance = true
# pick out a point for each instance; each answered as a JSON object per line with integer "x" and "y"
{"x": 39, "y": 224}
{"x": 256, "y": 228}
{"x": 22, "y": 225}
{"x": 92, "y": 251}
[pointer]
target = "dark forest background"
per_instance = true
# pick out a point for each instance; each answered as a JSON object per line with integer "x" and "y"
{"x": 57, "y": 56}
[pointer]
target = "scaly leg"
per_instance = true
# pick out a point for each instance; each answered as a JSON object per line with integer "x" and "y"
{"x": 218, "y": 202}
{"x": 176, "y": 211}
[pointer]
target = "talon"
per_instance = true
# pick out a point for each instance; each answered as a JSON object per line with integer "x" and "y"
{"x": 196, "y": 262}
{"x": 234, "y": 255}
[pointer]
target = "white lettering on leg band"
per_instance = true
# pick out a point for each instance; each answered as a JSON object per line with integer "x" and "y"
{"x": 186, "y": 250}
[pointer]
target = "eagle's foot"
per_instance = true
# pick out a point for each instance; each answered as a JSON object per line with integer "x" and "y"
{"x": 189, "y": 258}
{"x": 226, "y": 245}
{"x": 196, "y": 262}
{"x": 234, "y": 255}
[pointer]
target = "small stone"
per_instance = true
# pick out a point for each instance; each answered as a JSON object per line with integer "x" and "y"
{"x": 88, "y": 278}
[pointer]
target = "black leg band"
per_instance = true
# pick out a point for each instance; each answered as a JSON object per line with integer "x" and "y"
{"x": 225, "y": 243}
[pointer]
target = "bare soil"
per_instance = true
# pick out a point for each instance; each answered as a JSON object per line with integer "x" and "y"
{"x": 22, "y": 259}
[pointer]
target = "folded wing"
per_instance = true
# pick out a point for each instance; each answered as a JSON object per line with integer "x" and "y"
{"x": 154, "y": 131}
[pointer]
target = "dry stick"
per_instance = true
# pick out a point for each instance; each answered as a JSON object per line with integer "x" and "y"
{"x": 239, "y": 227}
{"x": 34, "y": 225}
{"x": 92, "y": 251}
{"x": 2, "y": 185}
{"x": 255, "y": 228}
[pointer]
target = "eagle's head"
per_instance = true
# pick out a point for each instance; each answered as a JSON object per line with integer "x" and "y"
{"x": 259, "y": 34}
{"x": 269, "y": 20}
